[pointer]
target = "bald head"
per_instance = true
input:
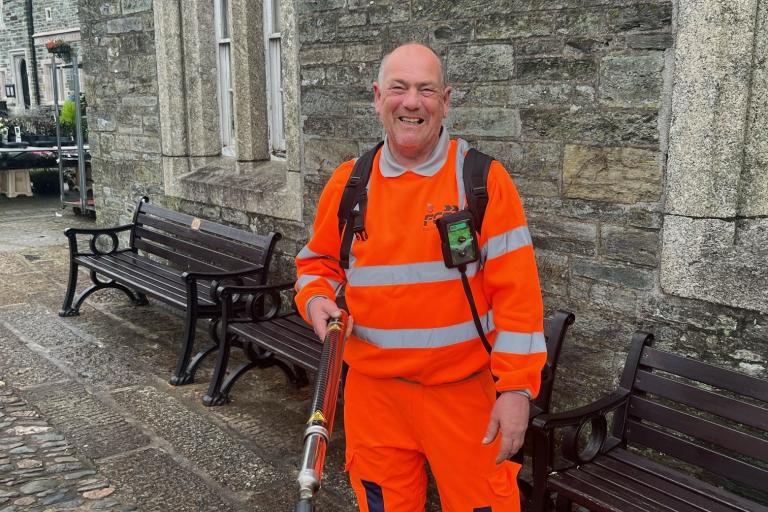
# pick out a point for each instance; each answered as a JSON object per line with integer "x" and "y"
{"x": 416, "y": 53}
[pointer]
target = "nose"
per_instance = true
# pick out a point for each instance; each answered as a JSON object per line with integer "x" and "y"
{"x": 411, "y": 100}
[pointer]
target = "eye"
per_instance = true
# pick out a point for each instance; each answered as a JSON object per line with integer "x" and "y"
{"x": 427, "y": 91}
{"x": 397, "y": 88}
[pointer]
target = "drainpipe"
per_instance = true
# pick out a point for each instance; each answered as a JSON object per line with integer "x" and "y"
{"x": 30, "y": 31}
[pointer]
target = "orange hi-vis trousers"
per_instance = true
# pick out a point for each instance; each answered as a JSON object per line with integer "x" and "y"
{"x": 394, "y": 426}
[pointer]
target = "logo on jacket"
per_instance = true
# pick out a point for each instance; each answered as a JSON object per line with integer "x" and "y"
{"x": 431, "y": 215}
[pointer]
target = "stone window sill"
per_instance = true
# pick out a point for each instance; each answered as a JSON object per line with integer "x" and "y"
{"x": 266, "y": 187}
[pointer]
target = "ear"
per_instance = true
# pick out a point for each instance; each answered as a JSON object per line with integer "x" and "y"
{"x": 446, "y": 100}
{"x": 376, "y": 96}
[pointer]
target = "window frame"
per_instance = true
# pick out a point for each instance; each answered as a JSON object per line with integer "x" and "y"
{"x": 273, "y": 69}
{"x": 224, "y": 81}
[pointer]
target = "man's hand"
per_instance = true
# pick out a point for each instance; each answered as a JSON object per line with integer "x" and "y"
{"x": 321, "y": 311}
{"x": 509, "y": 418}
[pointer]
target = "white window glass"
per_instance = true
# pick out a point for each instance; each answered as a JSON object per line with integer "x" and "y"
{"x": 274, "y": 75}
{"x": 226, "y": 92}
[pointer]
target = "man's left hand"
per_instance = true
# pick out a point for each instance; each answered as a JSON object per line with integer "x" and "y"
{"x": 509, "y": 418}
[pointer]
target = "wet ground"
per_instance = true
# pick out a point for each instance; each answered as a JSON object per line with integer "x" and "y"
{"x": 88, "y": 420}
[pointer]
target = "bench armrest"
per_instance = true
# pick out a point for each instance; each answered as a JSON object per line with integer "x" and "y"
{"x": 95, "y": 233}
{"x": 578, "y": 415}
{"x": 261, "y": 303}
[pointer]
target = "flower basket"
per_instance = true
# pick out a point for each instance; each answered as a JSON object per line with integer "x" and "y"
{"x": 59, "y": 48}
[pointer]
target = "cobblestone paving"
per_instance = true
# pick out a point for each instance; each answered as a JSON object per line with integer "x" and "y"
{"x": 38, "y": 467}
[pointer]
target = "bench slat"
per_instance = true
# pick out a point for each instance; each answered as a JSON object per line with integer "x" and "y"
{"x": 696, "y": 454}
{"x": 682, "y": 486}
{"x": 183, "y": 263}
{"x": 192, "y": 251}
{"x": 701, "y": 428}
{"x": 706, "y": 373}
{"x": 732, "y": 409}
{"x": 248, "y": 251}
{"x": 169, "y": 290}
{"x": 165, "y": 293}
{"x": 639, "y": 493}
{"x": 205, "y": 225}
{"x": 594, "y": 497}
{"x": 284, "y": 347}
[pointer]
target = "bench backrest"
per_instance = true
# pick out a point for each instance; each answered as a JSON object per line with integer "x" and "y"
{"x": 698, "y": 413}
{"x": 197, "y": 245}
{"x": 555, "y": 327}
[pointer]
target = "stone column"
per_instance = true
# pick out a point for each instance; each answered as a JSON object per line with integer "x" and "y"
{"x": 249, "y": 80}
{"x": 200, "y": 77}
{"x": 170, "y": 78}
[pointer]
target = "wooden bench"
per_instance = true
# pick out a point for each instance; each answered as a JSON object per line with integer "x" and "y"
{"x": 172, "y": 257}
{"x": 677, "y": 427}
{"x": 271, "y": 333}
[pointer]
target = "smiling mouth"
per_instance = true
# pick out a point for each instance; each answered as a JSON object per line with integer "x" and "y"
{"x": 411, "y": 120}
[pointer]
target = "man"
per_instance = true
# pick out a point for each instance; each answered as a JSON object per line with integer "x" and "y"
{"x": 420, "y": 386}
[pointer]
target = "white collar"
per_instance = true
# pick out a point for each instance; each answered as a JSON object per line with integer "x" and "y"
{"x": 390, "y": 168}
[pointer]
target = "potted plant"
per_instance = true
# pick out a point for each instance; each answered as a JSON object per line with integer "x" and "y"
{"x": 59, "y": 47}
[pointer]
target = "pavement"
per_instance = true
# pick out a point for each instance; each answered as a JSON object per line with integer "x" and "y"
{"x": 88, "y": 420}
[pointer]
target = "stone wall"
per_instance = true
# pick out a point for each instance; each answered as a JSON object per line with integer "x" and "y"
{"x": 575, "y": 99}
{"x": 121, "y": 86}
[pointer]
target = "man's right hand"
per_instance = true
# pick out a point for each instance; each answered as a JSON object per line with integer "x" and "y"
{"x": 321, "y": 311}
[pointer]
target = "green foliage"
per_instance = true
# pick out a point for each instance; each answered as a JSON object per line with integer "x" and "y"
{"x": 68, "y": 119}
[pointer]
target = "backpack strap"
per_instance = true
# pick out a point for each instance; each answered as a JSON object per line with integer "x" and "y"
{"x": 353, "y": 202}
{"x": 475, "y": 175}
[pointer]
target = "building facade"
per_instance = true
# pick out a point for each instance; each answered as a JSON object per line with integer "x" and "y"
{"x": 634, "y": 130}
{"x": 25, "y": 63}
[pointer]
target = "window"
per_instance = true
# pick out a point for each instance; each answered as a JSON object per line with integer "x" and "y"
{"x": 223, "y": 60}
{"x": 48, "y": 15}
{"x": 22, "y": 79}
{"x": 48, "y": 82}
{"x": 274, "y": 76}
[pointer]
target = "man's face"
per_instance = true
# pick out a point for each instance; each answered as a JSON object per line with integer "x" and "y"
{"x": 412, "y": 101}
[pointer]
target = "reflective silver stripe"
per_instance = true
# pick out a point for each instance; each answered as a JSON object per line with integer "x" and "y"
{"x": 506, "y": 242}
{"x": 462, "y": 147}
{"x": 411, "y": 273}
{"x": 307, "y": 253}
{"x": 306, "y": 279}
{"x": 423, "y": 338}
{"x": 520, "y": 342}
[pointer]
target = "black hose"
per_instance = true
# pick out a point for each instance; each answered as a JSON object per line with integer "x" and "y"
{"x": 305, "y": 505}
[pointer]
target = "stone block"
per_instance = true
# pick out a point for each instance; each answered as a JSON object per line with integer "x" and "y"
{"x": 407, "y": 33}
{"x": 320, "y": 5}
{"x": 621, "y": 275}
{"x": 552, "y": 68}
{"x": 689, "y": 313}
{"x": 712, "y": 260}
{"x": 631, "y": 81}
{"x": 538, "y": 46}
{"x": 124, "y": 25}
{"x": 710, "y": 110}
{"x": 617, "y": 175}
{"x": 480, "y": 63}
{"x": 563, "y": 236}
{"x": 541, "y": 23}
{"x": 630, "y": 245}
{"x": 357, "y": 19}
{"x": 644, "y": 17}
{"x": 535, "y": 161}
{"x": 132, "y": 6}
{"x": 317, "y": 28}
{"x": 361, "y": 74}
{"x": 601, "y": 127}
{"x": 580, "y": 22}
{"x": 553, "y": 272}
{"x": 613, "y": 298}
{"x": 483, "y": 122}
{"x": 323, "y": 54}
{"x": 441, "y": 10}
{"x": 753, "y": 196}
{"x": 650, "y": 41}
{"x": 455, "y": 32}
{"x": 363, "y": 53}
{"x": 394, "y": 12}
{"x": 323, "y": 101}
{"x": 327, "y": 154}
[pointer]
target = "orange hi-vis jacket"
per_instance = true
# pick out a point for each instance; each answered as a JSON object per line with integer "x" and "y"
{"x": 411, "y": 316}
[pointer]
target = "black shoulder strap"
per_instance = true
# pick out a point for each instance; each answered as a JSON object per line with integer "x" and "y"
{"x": 475, "y": 174}
{"x": 353, "y": 202}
